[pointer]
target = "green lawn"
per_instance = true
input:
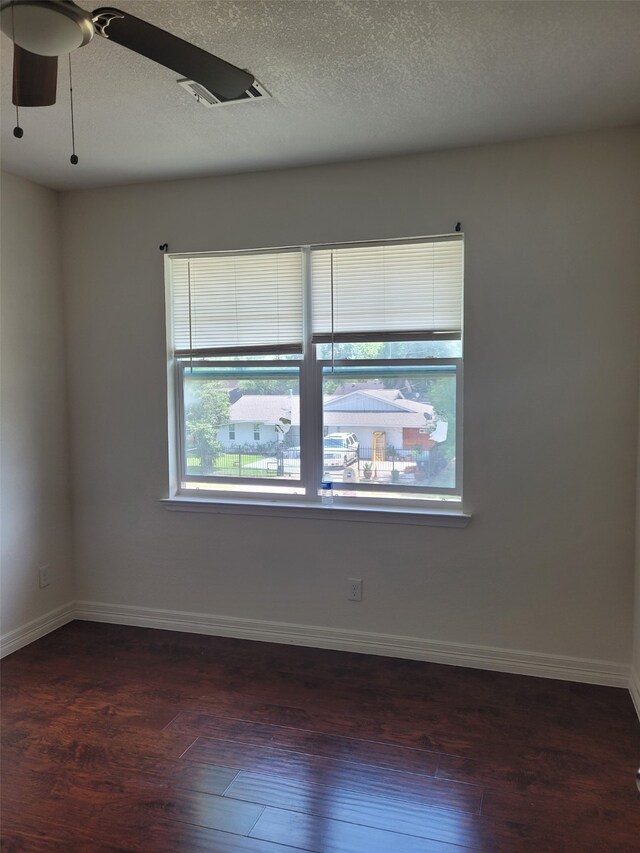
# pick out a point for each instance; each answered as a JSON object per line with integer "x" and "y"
{"x": 226, "y": 465}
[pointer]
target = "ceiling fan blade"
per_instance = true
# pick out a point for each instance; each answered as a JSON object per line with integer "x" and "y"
{"x": 218, "y": 76}
{"x": 34, "y": 78}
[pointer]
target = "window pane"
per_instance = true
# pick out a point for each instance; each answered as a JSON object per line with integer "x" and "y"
{"x": 387, "y": 288}
{"x": 241, "y": 424}
{"x": 390, "y": 427}
{"x": 391, "y": 349}
{"x": 243, "y": 300}
{"x": 244, "y": 358}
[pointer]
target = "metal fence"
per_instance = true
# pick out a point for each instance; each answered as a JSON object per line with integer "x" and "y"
{"x": 418, "y": 464}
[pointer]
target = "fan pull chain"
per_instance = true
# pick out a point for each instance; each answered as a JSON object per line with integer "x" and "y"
{"x": 74, "y": 157}
{"x": 18, "y": 132}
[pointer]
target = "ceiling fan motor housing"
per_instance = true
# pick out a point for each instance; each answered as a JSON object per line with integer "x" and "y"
{"x": 43, "y": 30}
{"x": 46, "y": 27}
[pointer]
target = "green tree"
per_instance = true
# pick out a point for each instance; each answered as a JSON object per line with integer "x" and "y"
{"x": 420, "y": 349}
{"x": 268, "y": 386}
{"x": 437, "y": 390}
{"x": 440, "y": 392}
{"x": 205, "y": 414}
{"x": 342, "y": 350}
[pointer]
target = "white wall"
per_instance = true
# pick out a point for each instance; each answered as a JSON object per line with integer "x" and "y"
{"x": 34, "y": 479}
{"x": 635, "y": 660}
{"x": 551, "y": 409}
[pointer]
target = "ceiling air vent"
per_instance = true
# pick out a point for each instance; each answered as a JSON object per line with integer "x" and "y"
{"x": 203, "y": 96}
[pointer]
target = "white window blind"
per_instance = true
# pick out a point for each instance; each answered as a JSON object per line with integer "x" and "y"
{"x": 375, "y": 292}
{"x": 234, "y": 303}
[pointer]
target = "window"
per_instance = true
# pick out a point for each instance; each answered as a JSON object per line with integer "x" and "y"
{"x": 294, "y": 366}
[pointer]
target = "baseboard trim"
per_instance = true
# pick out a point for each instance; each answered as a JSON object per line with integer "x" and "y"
{"x": 583, "y": 670}
{"x": 25, "y": 634}
{"x": 634, "y": 688}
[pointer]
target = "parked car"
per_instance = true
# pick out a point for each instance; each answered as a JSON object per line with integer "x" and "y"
{"x": 340, "y": 449}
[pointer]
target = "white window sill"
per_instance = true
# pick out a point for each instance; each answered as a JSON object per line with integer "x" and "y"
{"x": 300, "y": 509}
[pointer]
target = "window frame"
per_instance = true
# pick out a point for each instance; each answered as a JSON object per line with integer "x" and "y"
{"x": 447, "y": 501}
{"x": 381, "y": 488}
{"x": 181, "y": 368}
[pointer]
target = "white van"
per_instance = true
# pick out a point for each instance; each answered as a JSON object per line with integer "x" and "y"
{"x": 340, "y": 449}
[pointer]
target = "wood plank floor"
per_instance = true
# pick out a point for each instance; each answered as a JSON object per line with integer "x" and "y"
{"x": 131, "y": 739}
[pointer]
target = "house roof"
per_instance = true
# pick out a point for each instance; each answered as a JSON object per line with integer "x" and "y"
{"x": 381, "y": 393}
{"x": 376, "y": 419}
{"x": 269, "y": 408}
{"x": 360, "y": 397}
{"x": 265, "y": 408}
{"x": 360, "y": 385}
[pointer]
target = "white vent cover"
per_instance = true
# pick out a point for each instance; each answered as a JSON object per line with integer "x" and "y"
{"x": 256, "y": 92}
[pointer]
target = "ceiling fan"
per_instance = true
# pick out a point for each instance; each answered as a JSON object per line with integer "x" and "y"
{"x": 43, "y": 30}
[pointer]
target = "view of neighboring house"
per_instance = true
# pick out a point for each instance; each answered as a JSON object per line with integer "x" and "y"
{"x": 399, "y": 422}
{"x": 259, "y": 419}
{"x": 405, "y": 423}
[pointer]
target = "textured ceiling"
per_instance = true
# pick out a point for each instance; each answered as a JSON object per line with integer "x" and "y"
{"x": 349, "y": 78}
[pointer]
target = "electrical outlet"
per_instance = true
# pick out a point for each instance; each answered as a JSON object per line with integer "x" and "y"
{"x": 354, "y": 589}
{"x": 43, "y": 576}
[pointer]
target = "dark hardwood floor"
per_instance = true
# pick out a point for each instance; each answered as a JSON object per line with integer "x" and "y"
{"x": 131, "y": 739}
